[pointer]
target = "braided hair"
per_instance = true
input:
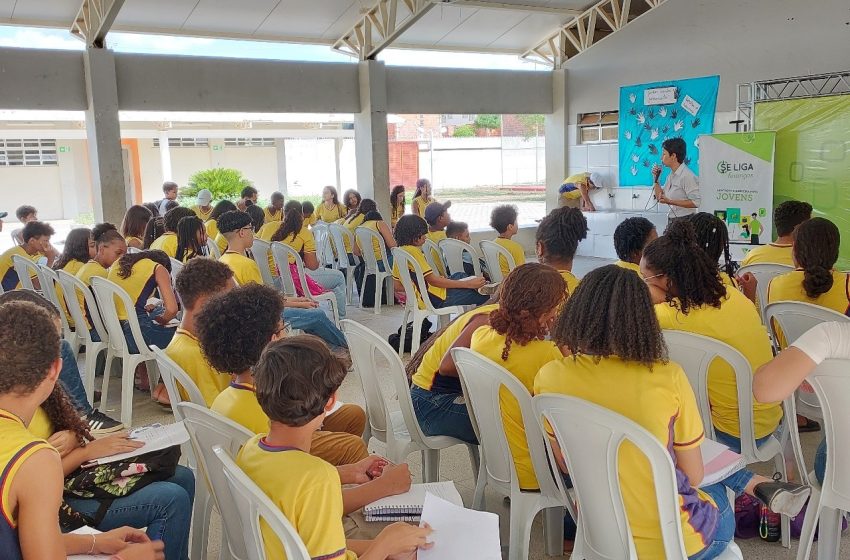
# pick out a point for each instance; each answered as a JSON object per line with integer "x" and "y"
{"x": 816, "y": 244}
{"x": 694, "y": 277}
{"x": 126, "y": 262}
{"x": 104, "y": 234}
{"x": 560, "y": 232}
{"x": 293, "y": 221}
{"x": 154, "y": 230}
{"x": 713, "y": 238}
{"x": 520, "y": 306}
{"x": 76, "y": 248}
{"x": 188, "y": 246}
{"x": 631, "y": 237}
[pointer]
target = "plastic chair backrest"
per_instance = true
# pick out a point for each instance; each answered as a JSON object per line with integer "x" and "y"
{"x": 482, "y": 379}
{"x": 173, "y": 376}
{"x": 320, "y": 233}
{"x": 108, "y": 295}
{"x": 260, "y": 253}
{"x": 282, "y": 253}
{"x": 336, "y": 234}
{"x": 176, "y": 267}
{"x": 131, "y": 250}
{"x": 251, "y": 504}
{"x": 26, "y": 270}
{"x": 796, "y": 317}
{"x": 49, "y": 279}
{"x": 453, "y": 250}
{"x": 695, "y": 353}
{"x": 590, "y": 437}
{"x": 213, "y": 249}
{"x": 492, "y": 251}
{"x": 434, "y": 257}
{"x": 366, "y": 239}
{"x": 831, "y": 382}
{"x": 405, "y": 262}
{"x": 206, "y": 430}
{"x": 72, "y": 287}
{"x": 764, "y": 273}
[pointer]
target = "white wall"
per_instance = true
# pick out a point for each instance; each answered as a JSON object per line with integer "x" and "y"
{"x": 36, "y": 186}
{"x": 257, "y": 164}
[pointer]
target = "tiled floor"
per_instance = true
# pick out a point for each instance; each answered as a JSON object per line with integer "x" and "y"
{"x": 455, "y": 461}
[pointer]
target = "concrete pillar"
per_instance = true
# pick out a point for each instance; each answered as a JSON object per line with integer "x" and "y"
{"x": 557, "y": 141}
{"x": 165, "y": 156}
{"x": 280, "y": 152}
{"x": 110, "y": 190}
{"x": 370, "y": 136}
{"x": 337, "y": 152}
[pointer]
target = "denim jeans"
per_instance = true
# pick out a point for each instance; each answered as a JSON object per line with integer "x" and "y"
{"x": 314, "y": 321}
{"x": 333, "y": 280}
{"x": 442, "y": 414}
{"x": 739, "y": 480}
{"x": 725, "y": 532}
{"x": 459, "y": 296}
{"x": 165, "y": 508}
{"x": 153, "y": 333}
{"x": 820, "y": 461}
{"x": 72, "y": 381}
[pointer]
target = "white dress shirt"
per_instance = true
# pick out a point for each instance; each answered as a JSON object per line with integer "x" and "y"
{"x": 682, "y": 184}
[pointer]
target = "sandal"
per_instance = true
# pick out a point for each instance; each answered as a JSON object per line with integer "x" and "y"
{"x": 160, "y": 395}
{"x": 808, "y": 426}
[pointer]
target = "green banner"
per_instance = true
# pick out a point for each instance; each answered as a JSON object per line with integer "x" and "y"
{"x": 813, "y": 157}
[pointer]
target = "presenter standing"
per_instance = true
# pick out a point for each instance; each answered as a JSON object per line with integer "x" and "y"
{"x": 681, "y": 188}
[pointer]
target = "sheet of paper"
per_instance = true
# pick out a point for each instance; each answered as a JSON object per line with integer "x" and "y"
{"x": 459, "y": 533}
{"x": 155, "y": 437}
{"x": 87, "y": 531}
{"x": 415, "y": 497}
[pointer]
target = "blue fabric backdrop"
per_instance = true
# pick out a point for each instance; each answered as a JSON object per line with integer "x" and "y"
{"x": 643, "y": 128}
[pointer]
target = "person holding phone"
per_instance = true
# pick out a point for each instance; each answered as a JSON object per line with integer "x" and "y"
{"x": 681, "y": 188}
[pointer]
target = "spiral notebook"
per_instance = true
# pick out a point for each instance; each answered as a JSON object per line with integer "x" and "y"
{"x": 408, "y": 506}
{"x": 719, "y": 462}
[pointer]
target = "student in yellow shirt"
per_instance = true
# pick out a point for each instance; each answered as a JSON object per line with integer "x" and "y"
{"x": 437, "y": 217}
{"x": 630, "y": 237}
{"x": 247, "y": 197}
{"x": 133, "y": 225}
{"x": 236, "y": 227}
{"x": 32, "y": 476}
{"x": 558, "y": 236}
{"x": 786, "y": 217}
{"x": 352, "y": 199}
{"x": 354, "y": 221}
{"x": 203, "y": 209}
{"x": 191, "y": 239}
{"x": 577, "y": 187}
{"x": 309, "y": 213}
{"x": 374, "y": 221}
{"x": 109, "y": 246}
{"x": 167, "y": 242}
{"x": 27, "y": 214}
{"x": 211, "y": 225}
{"x": 330, "y": 210}
{"x": 36, "y": 241}
{"x": 297, "y": 400}
{"x": 153, "y": 231}
{"x": 713, "y": 238}
{"x": 274, "y": 211}
{"x": 422, "y": 197}
{"x": 503, "y": 219}
{"x": 79, "y": 248}
{"x": 396, "y": 204}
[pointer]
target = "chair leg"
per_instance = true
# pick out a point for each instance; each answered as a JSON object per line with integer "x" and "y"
{"x": 478, "y": 500}
{"x": 829, "y": 535}
{"x": 128, "y": 369}
{"x": 520, "y": 533}
{"x": 417, "y": 333}
{"x": 379, "y": 293}
{"x": 201, "y": 511}
{"x": 89, "y": 374}
{"x": 553, "y": 530}
{"x": 474, "y": 458}
{"x": 362, "y": 287}
{"x": 779, "y": 465}
{"x": 107, "y": 370}
{"x": 402, "y": 334}
{"x": 807, "y": 533}
{"x": 430, "y": 465}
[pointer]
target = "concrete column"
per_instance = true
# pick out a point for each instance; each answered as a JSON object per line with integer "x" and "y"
{"x": 555, "y": 130}
{"x": 280, "y": 148}
{"x": 110, "y": 190}
{"x": 370, "y": 136}
{"x": 337, "y": 152}
{"x": 165, "y": 156}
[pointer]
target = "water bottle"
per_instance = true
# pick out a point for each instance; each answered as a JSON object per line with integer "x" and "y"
{"x": 770, "y": 526}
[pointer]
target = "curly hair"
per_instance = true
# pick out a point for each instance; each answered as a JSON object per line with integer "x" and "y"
{"x": 560, "y": 232}
{"x": 611, "y": 314}
{"x": 631, "y": 237}
{"x": 694, "y": 277}
{"x": 235, "y": 220}
{"x": 789, "y": 215}
{"x": 105, "y": 233}
{"x": 816, "y": 244}
{"x": 221, "y": 207}
{"x": 293, "y": 222}
{"x": 234, "y": 327}
{"x": 295, "y": 377}
{"x": 530, "y": 291}
{"x": 36, "y": 229}
{"x": 347, "y": 195}
{"x": 135, "y": 220}
{"x": 22, "y": 212}
{"x": 409, "y": 228}
{"x": 76, "y": 248}
{"x": 503, "y": 216}
{"x": 713, "y": 238}
{"x": 129, "y": 260}
{"x": 32, "y": 333}
{"x": 200, "y": 277}
{"x": 258, "y": 216}
{"x": 173, "y": 217}
{"x": 188, "y": 246}
{"x": 153, "y": 231}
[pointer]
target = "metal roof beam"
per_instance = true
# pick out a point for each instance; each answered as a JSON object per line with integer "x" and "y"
{"x": 487, "y": 5}
{"x": 379, "y": 26}
{"x": 94, "y": 20}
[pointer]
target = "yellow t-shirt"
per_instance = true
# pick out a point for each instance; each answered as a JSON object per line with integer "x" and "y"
{"x": 166, "y": 242}
{"x": 221, "y": 242}
{"x": 352, "y": 224}
{"x": 212, "y": 228}
{"x": 396, "y": 213}
{"x": 310, "y": 497}
{"x": 245, "y": 270}
{"x": 789, "y": 287}
{"x": 140, "y": 285}
{"x": 427, "y": 374}
{"x": 516, "y": 251}
{"x": 524, "y": 362}
{"x": 661, "y": 401}
{"x": 436, "y": 255}
{"x": 728, "y": 280}
{"x": 8, "y": 274}
{"x": 436, "y": 236}
{"x": 88, "y": 271}
{"x": 770, "y": 253}
{"x": 577, "y": 179}
{"x": 272, "y": 215}
{"x": 132, "y": 238}
{"x": 303, "y": 242}
{"x": 186, "y": 352}
{"x": 376, "y": 245}
{"x": 238, "y": 402}
{"x": 330, "y": 215}
{"x": 628, "y": 265}
{"x": 736, "y": 322}
{"x": 40, "y": 425}
{"x": 419, "y": 256}
{"x": 199, "y": 212}
{"x": 571, "y": 280}
{"x": 72, "y": 268}
{"x": 311, "y": 219}
{"x": 421, "y": 203}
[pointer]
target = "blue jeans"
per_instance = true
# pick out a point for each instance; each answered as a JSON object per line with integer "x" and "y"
{"x": 442, "y": 414}
{"x": 333, "y": 280}
{"x": 314, "y": 321}
{"x": 459, "y": 296}
{"x": 72, "y": 381}
{"x": 165, "y": 508}
{"x": 739, "y": 480}
{"x": 152, "y": 333}
{"x": 725, "y": 532}
{"x": 820, "y": 461}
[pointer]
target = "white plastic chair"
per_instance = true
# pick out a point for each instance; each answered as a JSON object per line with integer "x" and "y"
{"x": 412, "y": 311}
{"x": 453, "y": 251}
{"x": 336, "y": 234}
{"x": 212, "y": 248}
{"x": 49, "y": 280}
{"x": 176, "y": 267}
{"x": 131, "y": 250}
{"x": 260, "y": 253}
{"x": 590, "y": 437}
{"x": 251, "y": 504}
{"x": 27, "y": 270}
{"x": 282, "y": 253}
{"x": 434, "y": 257}
{"x": 482, "y": 381}
{"x": 72, "y": 288}
{"x": 109, "y": 295}
{"x": 831, "y": 382}
{"x": 764, "y": 273}
{"x": 399, "y": 430}
{"x": 323, "y": 253}
{"x": 492, "y": 251}
{"x": 208, "y": 429}
{"x": 695, "y": 353}
{"x": 365, "y": 238}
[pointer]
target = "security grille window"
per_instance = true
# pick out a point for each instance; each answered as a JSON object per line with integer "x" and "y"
{"x": 28, "y": 153}
{"x": 184, "y": 142}
{"x": 598, "y": 128}
{"x": 250, "y": 142}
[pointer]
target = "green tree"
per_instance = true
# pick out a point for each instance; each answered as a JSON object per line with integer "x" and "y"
{"x": 220, "y": 181}
{"x": 464, "y": 131}
{"x": 491, "y": 122}
{"x": 532, "y": 124}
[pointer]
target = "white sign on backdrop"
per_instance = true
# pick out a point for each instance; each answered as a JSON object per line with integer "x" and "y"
{"x": 660, "y": 96}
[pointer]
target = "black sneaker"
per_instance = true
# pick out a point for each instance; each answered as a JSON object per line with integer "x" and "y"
{"x": 785, "y": 498}
{"x": 101, "y": 424}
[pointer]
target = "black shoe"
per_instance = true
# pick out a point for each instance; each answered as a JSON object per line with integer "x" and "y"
{"x": 784, "y": 498}
{"x": 101, "y": 424}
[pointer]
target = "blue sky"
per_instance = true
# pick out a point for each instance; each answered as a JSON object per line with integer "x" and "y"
{"x": 32, "y": 37}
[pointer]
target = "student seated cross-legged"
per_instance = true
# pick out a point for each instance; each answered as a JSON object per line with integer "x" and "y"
{"x": 32, "y": 472}
{"x": 297, "y": 379}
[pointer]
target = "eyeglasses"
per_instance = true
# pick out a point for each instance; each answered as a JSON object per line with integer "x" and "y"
{"x": 285, "y": 328}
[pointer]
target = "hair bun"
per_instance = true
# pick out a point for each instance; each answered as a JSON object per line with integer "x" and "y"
{"x": 681, "y": 232}
{"x": 98, "y": 230}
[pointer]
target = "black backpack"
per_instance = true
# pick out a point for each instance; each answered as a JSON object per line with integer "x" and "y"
{"x": 395, "y": 338}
